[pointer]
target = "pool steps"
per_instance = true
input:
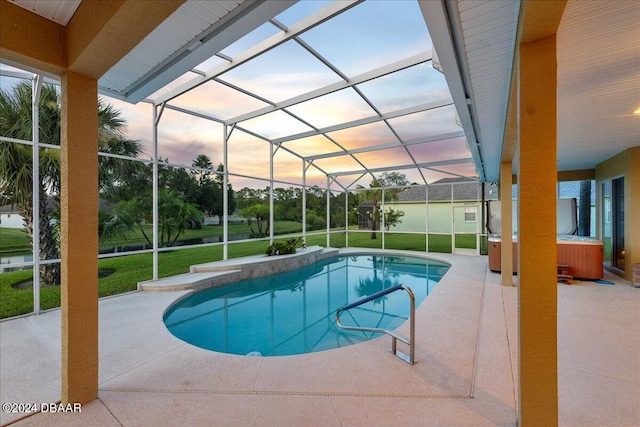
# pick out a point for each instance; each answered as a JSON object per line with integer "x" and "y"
{"x": 218, "y": 273}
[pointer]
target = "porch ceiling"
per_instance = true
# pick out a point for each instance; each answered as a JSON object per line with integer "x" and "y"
{"x": 598, "y": 76}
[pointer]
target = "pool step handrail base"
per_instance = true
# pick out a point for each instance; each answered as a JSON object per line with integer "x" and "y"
{"x": 410, "y": 359}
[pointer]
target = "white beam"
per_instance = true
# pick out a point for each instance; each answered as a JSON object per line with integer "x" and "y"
{"x": 367, "y": 120}
{"x": 437, "y": 19}
{"x": 194, "y": 113}
{"x": 241, "y": 21}
{"x": 334, "y": 87}
{"x": 311, "y": 21}
{"x": 433, "y": 138}
{"x": 402, "y": 167}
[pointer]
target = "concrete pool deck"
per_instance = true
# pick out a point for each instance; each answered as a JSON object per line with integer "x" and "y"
{"x": 465, "y": 374}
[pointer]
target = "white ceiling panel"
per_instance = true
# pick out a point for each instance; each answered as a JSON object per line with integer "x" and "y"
{"x": 488, "y": 30}
{"x": 598, "y": 76}
{"x": 60, "y": 11}
{"x": 598, "y": 81}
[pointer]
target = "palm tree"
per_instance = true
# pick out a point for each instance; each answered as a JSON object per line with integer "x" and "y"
{"x": 111, "y": 140}
{"x": 396, "y": 180}
{"x": 372, "y": 194}
{"x": 207, "y": 191}
{"x": 16, "y": 161}
{"x": 259, "y": 211}
{"x": 204, "y": 162}
{"x": 370, "y": 285}
{"x": 175, "y": 216}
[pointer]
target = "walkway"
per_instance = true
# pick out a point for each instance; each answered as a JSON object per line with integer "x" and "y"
{"x": 466, "y": 352}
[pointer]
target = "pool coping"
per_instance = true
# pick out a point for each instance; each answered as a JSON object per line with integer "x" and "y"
{"x": 257, "y": 266}
{"x": 144, "y": 360}
{"x": 424, "y": 380}
{"x": 217, "y": 273}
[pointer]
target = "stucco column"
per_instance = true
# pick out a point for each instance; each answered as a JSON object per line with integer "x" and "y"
{"x": 537, "y": 247}
{"x": 79, "y": 238}
{"x": 506, "y": 226}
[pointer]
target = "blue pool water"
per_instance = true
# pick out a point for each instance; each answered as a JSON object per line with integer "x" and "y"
{"x": 294, "y": 312}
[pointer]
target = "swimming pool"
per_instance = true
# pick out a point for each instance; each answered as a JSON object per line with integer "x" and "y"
{"x": 294, "y": 312}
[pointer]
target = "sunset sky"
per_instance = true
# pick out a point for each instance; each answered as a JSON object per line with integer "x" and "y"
{"x": 363, "y": 38}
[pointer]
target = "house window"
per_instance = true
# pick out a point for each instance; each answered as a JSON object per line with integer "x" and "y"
{"x": 470, "y": 214}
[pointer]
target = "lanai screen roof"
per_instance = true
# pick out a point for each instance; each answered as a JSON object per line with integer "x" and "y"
{"x": 348, "y": 87}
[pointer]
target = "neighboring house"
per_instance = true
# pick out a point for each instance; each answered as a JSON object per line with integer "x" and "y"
{"x": 449, "y": 198}
{"x": 10, "y": 217}
{"x": 216, "y": 220}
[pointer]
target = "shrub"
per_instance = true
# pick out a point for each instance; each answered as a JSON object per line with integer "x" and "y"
{"x": 283, "y": 248}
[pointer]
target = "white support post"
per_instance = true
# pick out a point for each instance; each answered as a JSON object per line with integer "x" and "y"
{"x": 304, "y": 202}
{"x": 382, "y": 218}
{"x": 225, "y": 194}
{"x": 426, "y": 219}
{"x": 156, "y": 120}
{"x": 271, "y": 216}
{"x": 35, "y": 118}
{"x": 346, "y": 218}
{"x": 328, "y": 213}
{"x": 453, "y": 226}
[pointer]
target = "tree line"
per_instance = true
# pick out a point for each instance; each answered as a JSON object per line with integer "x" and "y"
{"x": 16, "y": 163}
{"x": 125, "y": 185}
{"x": 185, "y": 196}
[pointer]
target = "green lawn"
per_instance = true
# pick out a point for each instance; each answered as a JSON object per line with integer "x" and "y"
{"x": 16, "y": 240}
{"x": 13, "y": 239}
{"x": 127, "y": 271}
{"x": 136, "y": 238}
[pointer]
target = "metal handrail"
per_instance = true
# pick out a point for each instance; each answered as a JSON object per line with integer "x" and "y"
{"x": 394, "y": 337}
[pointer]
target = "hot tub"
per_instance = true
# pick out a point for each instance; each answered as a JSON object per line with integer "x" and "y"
{"x": 583, "y": 255}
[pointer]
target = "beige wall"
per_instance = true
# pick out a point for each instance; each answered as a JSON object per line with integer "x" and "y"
{"x": 627, "y": 165}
